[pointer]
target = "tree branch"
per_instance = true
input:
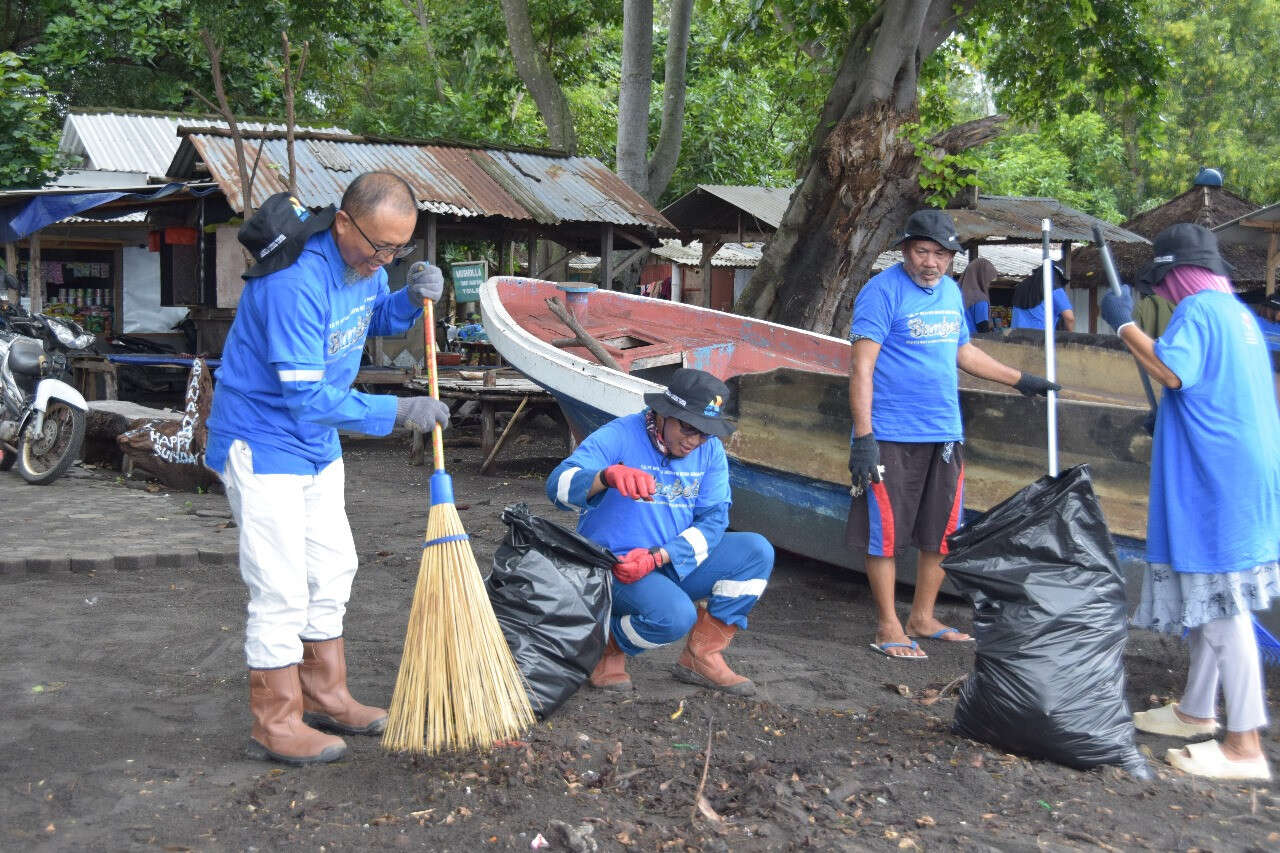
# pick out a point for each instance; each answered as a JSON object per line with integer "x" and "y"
{"x": 538, "y": 77}
{"x": 634, "y": 91}
{"x": 666, "y": 154}
{"x": 224, "y": 108}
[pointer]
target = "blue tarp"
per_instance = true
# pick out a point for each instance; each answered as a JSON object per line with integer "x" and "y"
{"x": 19, "y": 220}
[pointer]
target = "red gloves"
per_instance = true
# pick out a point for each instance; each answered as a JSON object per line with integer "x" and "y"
{"x": 630, "y": 482}
{"x": 636, "y": 564}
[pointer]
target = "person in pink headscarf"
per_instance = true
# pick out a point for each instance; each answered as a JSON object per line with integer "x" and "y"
{"x": 1213, "y": 522}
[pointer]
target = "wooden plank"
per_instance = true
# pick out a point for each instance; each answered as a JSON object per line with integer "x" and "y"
{"x": 493, "y": 454}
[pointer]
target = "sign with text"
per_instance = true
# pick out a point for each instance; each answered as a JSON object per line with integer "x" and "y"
{"x": 467, "y": 278}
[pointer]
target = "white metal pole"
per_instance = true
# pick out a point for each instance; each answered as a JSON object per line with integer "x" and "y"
{"x": 1050, "y": 367}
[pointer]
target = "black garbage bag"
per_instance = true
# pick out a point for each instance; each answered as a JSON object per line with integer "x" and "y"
{"x": 1050, "y": 621}
{"x": 550, "y": 591}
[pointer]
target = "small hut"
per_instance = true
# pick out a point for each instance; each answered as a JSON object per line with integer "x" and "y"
{"x": 1207, "y": 203}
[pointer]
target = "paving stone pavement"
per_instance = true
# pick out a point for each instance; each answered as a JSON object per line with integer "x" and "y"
{"x": 92, "y": 521}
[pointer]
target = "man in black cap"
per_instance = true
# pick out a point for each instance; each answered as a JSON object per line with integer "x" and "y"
{"x": 906, "y": 456}
{"x": 316, "y": 290}
{"x": 653, "y": 488}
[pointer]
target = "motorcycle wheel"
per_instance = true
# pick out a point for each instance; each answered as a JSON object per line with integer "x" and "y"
{"x": 45, "y": 456}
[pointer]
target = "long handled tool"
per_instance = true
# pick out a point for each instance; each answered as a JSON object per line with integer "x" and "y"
{"x": 1109, "y": 268}
{"x": 458, "y": 685}
{"x": 1050, "y": 364}
{"x": 1268, "y": 645}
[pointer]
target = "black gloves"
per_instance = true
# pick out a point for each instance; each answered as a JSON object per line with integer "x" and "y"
{"x": 864, "y": 462}
{"x": 1030, "y": 385}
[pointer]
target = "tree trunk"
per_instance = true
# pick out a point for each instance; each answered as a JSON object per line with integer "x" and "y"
{"x": 662, "y": 165}
{"x": 538, "y": 78}
{"x": 634, "y": 92}
{"x": 861, "y": 180}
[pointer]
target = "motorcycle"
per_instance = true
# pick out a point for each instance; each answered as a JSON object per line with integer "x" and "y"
{"x": 42, "y": 418}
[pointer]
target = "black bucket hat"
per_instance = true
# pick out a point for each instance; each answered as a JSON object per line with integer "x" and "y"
{"x": 1183, "y": 245}
{"x": 935, "y": 225}
{"x": 277, "y": 232}
{"x": 695, "y": 397}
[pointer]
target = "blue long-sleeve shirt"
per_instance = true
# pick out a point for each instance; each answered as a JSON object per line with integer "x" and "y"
{"x": 688, "y": 515}
{"x": 293, "y": 351}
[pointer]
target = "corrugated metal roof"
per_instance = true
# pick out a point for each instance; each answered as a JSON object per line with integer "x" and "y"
{"x": 999, "y": 217}
{"x": 767, "y": 204}
{"x": 136, "y": 142}
{"x": 456, "y": 180}
{"x": 1011, "y": 262}
{"x": 738, "y": 255}
{"x": 1237, "y": 232}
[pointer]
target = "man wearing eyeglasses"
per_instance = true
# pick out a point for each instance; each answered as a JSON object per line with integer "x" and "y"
{"x": 653, "y": 488}
{"x": 317, "y": 289}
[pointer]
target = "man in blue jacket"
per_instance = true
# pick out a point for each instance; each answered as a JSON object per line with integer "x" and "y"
{"x": 316, "y": 291}
{"x": 653, "y": 488}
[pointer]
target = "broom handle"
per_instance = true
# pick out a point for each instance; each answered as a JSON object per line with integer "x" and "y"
{"x": 433, "y": 379}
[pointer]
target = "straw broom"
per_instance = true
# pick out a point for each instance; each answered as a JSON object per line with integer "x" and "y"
{"x": 458, "y": 685}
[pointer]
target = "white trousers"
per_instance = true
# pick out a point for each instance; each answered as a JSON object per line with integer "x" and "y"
{"x": 296, "y": 556}
{"x": 1225, "y": 651}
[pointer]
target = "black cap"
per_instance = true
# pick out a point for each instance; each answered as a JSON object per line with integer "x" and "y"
{"x": 695, "y": 397}
{"x": 935, "y": 225}
{"x": 277, "y": 232}
{"x": 1182, "y": 245}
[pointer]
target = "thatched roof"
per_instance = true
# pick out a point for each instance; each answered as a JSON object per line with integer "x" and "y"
{"x": 1207, "y": 206}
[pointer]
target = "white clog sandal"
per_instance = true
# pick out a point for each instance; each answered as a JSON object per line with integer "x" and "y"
{"x": 1207, "y": 759}
{"x": 1163, "y": 721}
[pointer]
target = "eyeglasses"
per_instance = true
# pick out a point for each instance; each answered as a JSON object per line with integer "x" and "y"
{"x": 390, "y": 252}
{"x": 688, "y": 431}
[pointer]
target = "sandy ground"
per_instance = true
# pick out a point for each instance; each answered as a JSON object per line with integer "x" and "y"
{"x": 127, "y": 718}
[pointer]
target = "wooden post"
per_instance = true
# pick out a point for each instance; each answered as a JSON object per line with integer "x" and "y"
{"x": 709, "y": 248}
{"x": 606, "y": 251}
{"x": 488, "y": 414}
{"x": 431, "y": 237}
{"x": 531, "y": 246}
{"x": 1273, "y": 263}
{"x": 11, "y": 266}
{"x": 35, "y": 284}
{"x": 493, "y": 454}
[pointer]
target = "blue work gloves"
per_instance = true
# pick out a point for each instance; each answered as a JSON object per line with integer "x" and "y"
{"x": 1030, "y": 385}
{"x": 864, "y": 463}
{"x": 422, "y": 413}
{"x": 425, "y": 281}
{"x": 1117, "y": 310}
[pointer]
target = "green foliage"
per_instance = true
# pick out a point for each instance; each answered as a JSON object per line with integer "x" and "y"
{"x": 1073, "y": 160}
{"x": 28, "y": 126}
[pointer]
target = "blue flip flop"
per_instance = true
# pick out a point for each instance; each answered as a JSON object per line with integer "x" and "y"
{"x": 938, "y": 635}
{"x": 883, "y": 648}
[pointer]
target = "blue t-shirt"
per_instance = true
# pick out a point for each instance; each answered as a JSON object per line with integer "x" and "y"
{"x": 1270, "y": 334}
{"x": 1033, "y": 318}
{"x": 1215, "y": 464}
{"x": 915, "y": 394}
{"x": 293, "y": 351}
{"x": 693, "y": 494}
{"x": 978, "y": 312}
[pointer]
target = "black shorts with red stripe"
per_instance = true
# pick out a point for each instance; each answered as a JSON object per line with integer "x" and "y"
{"x": 918, "y": 502}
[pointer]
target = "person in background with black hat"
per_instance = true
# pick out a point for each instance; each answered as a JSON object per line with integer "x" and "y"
{"x": 1028, "y": 301}
{"x": 317, "y": 289}
{"x": 653, "y": 488}
{"x": 906, "y": 455}
{"x": 1213, "y": 516}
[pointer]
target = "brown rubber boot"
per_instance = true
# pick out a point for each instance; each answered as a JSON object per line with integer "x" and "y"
{"x": 326, "y": 702}
{"x": 701, "y": 662}
{"x": 611, "y": 672}
{"x": 275, "y": 698}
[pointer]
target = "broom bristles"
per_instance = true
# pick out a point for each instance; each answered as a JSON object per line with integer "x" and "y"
{"x": 458, "y": 685}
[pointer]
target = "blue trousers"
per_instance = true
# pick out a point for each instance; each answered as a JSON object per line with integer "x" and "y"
{"x": 659, "y": 608}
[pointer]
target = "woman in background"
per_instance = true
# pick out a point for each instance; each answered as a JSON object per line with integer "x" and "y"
{"x": 1213, "y": 526}
{"x": 974, "y": 286}
{"x": 1028, "y": 302}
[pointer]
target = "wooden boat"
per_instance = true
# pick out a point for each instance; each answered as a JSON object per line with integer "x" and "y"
{"x": 788, "y": 459}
